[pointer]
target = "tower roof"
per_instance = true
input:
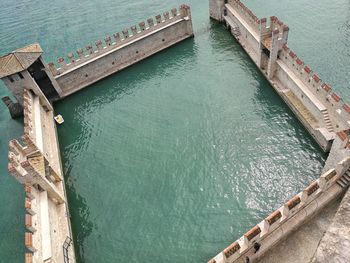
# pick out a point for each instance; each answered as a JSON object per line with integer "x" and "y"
{"x": 19, "y": 59}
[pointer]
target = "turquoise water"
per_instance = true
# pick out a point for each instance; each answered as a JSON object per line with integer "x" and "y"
{"x": 176, "y": 157}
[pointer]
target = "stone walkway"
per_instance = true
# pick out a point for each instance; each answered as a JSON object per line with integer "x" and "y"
{"x": 335, "y": 244}
{"x": 301, "y": 246}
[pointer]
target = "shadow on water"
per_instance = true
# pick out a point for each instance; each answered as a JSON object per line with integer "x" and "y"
{"x": 82, "y": 225}
{"x": 221, "y": 40}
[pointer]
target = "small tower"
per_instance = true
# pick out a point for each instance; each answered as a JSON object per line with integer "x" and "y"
{"x": 22, "y": 69}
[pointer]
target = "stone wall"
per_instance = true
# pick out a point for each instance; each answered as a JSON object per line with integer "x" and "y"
{"x": 320, "y": 110}
{"x": 123, "y": 50}
{"x": 246, "y": 13}
{"x": 35, "y": 162}
{"x": 245, "y": 33}
{"x": 339, "y": 111}
{"x": 334, "y": 246}
{"x": 287, "y": 218}
{"x": 306, "y": 97}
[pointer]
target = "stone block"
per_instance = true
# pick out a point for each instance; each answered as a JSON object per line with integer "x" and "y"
{"x": 29, "y": 242}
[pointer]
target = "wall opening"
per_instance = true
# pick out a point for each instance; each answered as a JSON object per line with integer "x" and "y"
{"x": 37, "y": 71}
{"x": 266, "y": 52}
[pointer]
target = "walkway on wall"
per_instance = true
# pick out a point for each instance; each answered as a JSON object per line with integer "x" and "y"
{"x": 301, "y": 245}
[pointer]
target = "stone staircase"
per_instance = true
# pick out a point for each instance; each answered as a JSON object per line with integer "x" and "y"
{"x": 327, "y": 121}
{"x": 344, "y": 181}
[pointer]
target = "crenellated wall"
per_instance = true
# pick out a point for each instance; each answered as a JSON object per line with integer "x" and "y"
{"x": 246, "y": 13}
{"x": 320, "y": 110}
{"x": 330, "y": 100}
{"x": 242, "y": 30}
{"x": 287, "y": 218}
{"x": 122, "y": 50}
{"x": 35, "y": 162}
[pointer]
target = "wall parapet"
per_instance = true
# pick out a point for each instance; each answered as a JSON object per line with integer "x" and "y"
{"x": 247, "y": 14}
{"x": 119, "y": 39}
{"x": 33, "y": 160}
{"x": 289, "y": 216}
{"x": 339, "y": 109}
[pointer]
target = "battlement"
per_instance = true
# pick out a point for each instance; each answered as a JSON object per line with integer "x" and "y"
{"x": 275, "y": 25}
{"x": 119, "y": 39}
{"x": 339, "y": 110}
{"x": 245, "y": 12}
{"x": 122, "y": 49}
{"x": 344, "y": 136}
{"x": 287, "y": 218}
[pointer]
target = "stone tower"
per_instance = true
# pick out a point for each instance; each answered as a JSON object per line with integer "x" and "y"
{"x": 22, "y": 69}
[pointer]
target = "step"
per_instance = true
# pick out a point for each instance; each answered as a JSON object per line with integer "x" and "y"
{"x": 341, "y": 184}
{"x": 344, "y": 181}
{"x": 347, "y": 176}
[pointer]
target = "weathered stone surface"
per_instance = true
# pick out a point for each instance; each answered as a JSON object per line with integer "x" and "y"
{"x": 335, "y": 244}
{"x": 300, "y": 246}
{"x": 337, "y": 153}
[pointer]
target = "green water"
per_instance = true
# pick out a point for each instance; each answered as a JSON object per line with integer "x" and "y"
{"x": 176, "y": 157}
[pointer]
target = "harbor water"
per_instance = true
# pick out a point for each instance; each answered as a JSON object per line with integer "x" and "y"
{"x": 174, "y": 158}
